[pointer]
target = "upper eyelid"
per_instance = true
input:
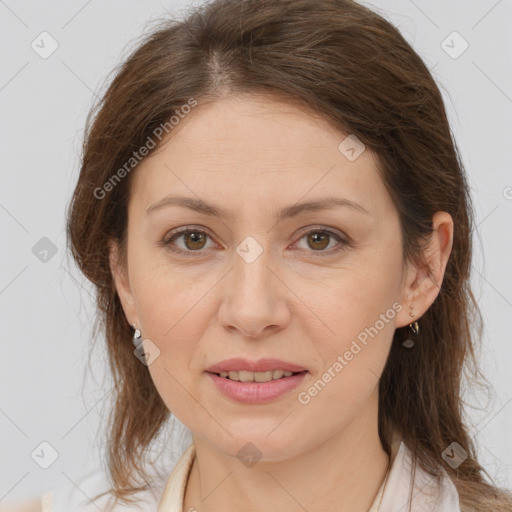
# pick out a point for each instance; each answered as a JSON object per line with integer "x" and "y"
{"x": 305, "y": 229}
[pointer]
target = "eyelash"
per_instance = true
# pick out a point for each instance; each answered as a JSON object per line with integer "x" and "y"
{"x": 315, "y": 254}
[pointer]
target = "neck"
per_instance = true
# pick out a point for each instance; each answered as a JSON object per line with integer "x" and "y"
{"x": 343, "y": 473}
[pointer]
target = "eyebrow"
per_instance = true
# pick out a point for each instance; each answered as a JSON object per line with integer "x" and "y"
{"x": 200, "y": 206}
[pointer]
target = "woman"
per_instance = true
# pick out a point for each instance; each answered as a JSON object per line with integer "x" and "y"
{"x": 272, "y": 208}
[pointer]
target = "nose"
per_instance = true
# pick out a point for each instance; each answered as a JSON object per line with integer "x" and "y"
{"x": 254, "y": 301}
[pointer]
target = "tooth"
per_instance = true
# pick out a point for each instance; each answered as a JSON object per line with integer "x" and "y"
{"x": 263, "y": 376}
{"x": 246, "y": 376}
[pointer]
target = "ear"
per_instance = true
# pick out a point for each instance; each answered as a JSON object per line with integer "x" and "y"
{"x": 423, "y": 283}
{"x": 122, "y": 283}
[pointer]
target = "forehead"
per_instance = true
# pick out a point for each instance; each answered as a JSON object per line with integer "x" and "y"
{"x": 251, "y": 147}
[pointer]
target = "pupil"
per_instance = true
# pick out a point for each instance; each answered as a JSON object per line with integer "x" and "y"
{"x": 314, "y": 236}
{"x": 196, "y": 238}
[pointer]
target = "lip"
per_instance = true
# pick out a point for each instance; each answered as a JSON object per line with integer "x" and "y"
{"x": 256, "y": 392}
{"x": 262, "y": 365}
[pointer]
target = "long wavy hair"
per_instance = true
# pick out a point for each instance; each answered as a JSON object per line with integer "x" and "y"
{"x": 349, "y": 65}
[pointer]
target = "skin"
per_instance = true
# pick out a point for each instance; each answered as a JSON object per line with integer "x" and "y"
{"x": 253, "y": 156}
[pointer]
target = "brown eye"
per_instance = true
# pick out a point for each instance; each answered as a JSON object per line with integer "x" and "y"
{"x": 318, "y": 240}
{"x": 193, "y": 241}
{"x": 317, "y": 243}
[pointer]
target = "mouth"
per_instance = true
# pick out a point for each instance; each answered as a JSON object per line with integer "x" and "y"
{"x": 247, "y": 387}
{"x": 255, "y": 381}
{"x": 248, "y": 376}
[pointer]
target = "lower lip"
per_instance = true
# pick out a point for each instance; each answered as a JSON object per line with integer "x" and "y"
{"x": 256, "y": 392}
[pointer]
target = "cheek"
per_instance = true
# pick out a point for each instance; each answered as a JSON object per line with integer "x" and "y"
{"x": 355, "y": 359}
{"x": 359, "y": 303}
{"x": 352, "y": 366}
{"x": 175, "y": 321}
{"x": 174, "y": 318}
{"x": 361, "y": 313}
{"x": 171, "y": 300}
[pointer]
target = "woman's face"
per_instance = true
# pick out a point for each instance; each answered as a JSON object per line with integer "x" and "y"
{"x": 256, "y": 281}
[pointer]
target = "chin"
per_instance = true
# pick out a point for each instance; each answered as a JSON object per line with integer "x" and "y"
{"x": 256, "y": 443}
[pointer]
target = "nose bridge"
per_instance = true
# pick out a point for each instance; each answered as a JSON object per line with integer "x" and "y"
{"x": 251, "y": 273}
{"x": 252, "y": 302}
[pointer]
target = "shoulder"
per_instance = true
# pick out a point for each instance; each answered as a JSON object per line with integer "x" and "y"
{"x": 33, "y": 505}
{"x": 81, "y": 496}
{"x": 409, "y": 486}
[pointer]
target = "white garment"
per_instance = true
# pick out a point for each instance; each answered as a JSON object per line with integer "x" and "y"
{"x": 167, "y": 495}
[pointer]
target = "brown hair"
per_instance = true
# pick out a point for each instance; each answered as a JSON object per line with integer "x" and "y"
{"x": 354, "y": 68}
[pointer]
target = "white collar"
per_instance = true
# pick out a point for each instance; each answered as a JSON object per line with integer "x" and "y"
{"x": 425, "y": 494}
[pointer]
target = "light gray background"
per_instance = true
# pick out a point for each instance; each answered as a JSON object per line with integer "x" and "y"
{"x": 46, "y": 307}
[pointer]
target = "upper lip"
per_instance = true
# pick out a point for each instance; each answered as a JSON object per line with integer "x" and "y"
{"x": 262, "y": 365}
